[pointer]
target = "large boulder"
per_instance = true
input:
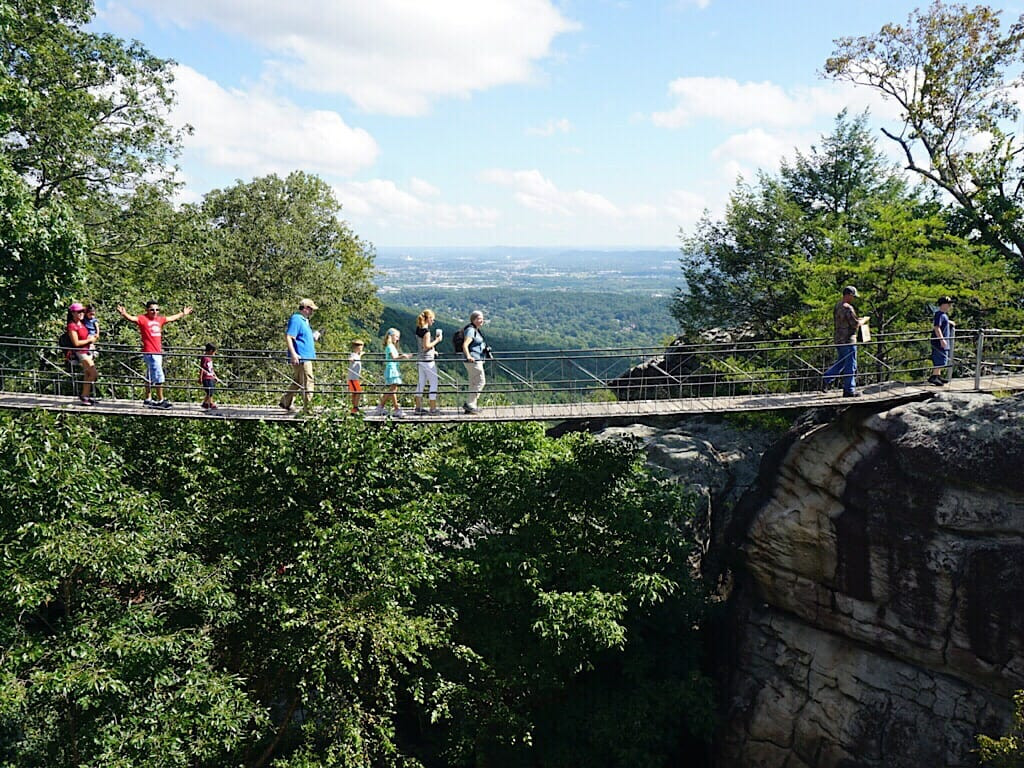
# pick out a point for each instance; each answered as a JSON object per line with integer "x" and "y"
{"x": 878, "y": 617}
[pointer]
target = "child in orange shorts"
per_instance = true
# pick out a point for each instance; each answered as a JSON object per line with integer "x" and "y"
{"x": 355, "y": 373}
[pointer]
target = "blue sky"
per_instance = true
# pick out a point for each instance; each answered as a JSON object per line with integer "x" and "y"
{"x": 505, "y": 122}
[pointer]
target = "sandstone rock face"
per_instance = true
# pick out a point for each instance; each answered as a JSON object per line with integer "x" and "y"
{"x": 878, "y": 618}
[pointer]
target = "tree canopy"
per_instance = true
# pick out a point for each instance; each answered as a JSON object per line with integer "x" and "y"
{"x": 775, "y": 264}
{"x": 205, "y": 594}
{"x": 953, "y": 72}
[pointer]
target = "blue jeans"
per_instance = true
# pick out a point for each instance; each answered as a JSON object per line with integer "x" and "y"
{"x": 845, "y": 366}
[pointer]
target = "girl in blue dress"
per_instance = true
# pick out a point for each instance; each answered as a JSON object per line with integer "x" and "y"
{"x": 392, "y": 375}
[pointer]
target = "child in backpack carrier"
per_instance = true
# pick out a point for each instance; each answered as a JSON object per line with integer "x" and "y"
{"x": 207, "y": 378}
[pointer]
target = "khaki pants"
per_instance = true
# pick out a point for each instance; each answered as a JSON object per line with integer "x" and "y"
{"x": 302, "y": 380}
{"x": 477, "y": 379}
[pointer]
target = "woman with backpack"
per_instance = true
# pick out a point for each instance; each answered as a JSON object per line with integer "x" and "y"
{"x": 425, "y": 365}
{"x": 473, "y": 349}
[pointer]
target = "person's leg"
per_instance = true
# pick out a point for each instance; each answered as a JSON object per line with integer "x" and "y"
{"x": 150, "y": 375}
{"x": 298, "y": 379}
{"x": 307, "y": 384}
{"x": 421, "y": 380}
{"x": 432, "y": 381}
{"x": 88, "y": 375}
{"x": 476, "y": 382}
{"x": 849, "y": 368}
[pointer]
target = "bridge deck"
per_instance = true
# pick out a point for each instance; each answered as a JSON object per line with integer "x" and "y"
{"x": 885, "y": 392}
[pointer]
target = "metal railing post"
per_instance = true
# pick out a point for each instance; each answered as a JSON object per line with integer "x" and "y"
{"x": 979, "y": 348}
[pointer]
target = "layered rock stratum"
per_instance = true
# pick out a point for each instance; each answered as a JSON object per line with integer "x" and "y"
{"x": 876, "y": 615}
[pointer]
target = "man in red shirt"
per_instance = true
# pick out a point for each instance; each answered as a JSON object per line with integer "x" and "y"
{"x": 151, "y": 330}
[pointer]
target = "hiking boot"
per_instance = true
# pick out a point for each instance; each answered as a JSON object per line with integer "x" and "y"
{"x": 204, "y": 405}
{"x": 938, "y": 381}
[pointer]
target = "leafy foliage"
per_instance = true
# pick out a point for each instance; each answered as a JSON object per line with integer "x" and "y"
{"x": 82, "y": 115}
{"x": 243, "y": 258}
{"x": 953, "y": 73}
{"x": 1008, "y": 751}
{"x": 41, "y": 257}
{"x": 776, "y": 263}
{"x": 299, "y": 595}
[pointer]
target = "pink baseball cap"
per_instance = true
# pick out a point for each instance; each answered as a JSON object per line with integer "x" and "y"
{"x": 76, "y": 307}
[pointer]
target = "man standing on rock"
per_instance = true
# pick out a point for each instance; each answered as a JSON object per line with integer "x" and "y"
{"x": 845, "y": 338}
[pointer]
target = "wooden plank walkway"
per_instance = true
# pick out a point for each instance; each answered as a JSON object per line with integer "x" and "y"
{"x": 879, "y": 393}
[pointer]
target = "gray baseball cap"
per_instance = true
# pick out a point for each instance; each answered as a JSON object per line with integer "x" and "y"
{"x": 850, "y": 290}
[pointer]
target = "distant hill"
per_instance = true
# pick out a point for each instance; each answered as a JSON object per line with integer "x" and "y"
{"x": 551, "y": 319}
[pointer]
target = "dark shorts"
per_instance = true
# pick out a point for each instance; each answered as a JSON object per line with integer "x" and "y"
{"x": 209, "y": 386}
{"x": 940, "y": 357}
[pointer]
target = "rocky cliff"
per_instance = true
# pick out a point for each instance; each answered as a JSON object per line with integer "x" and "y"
{"x": 876, "y": 616}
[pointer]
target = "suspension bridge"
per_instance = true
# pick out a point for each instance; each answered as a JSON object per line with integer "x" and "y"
{"x": 547, "y": 385}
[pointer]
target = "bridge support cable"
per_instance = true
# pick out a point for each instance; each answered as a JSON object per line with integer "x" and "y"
{"x": 696, "y": 377}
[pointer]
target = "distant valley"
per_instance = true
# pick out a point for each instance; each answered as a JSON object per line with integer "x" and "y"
{"x": 535, "y": 297}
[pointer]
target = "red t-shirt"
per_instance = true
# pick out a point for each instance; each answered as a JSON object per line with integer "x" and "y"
{"x": 151, "y": 330}
{"x": 83, "y": 334}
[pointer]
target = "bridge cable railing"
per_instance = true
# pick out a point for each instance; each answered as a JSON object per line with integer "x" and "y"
{"x": 530, "y": 377}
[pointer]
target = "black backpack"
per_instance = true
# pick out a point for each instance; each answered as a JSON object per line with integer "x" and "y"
{"x": 459, "y": 338}
{"x": 64, "y": 345}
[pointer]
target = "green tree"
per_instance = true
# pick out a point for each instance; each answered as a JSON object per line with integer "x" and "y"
{"x": 82, "y": 113}
{"x": 109, "y": 621}
{"x": 270, "y": 242}
{"x": 41, "y": 257}
{"x": 206, "y": 594}
{"x": 953, "y": 72}
{"x": 835, "y": 216}
{"x": 739, "y": 271}
{"x": 566, "y": 569}
{"x": 1008, "y": 751}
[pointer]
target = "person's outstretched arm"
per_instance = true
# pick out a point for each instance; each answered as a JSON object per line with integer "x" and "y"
{"x": 184, "y": 313}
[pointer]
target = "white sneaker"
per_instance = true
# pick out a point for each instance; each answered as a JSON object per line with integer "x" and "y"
{"x": 399, "y": 414}
{"x": 378, "y": 411}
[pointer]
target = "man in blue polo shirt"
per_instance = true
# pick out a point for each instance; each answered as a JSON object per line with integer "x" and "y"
{"x": 301, "y": 341}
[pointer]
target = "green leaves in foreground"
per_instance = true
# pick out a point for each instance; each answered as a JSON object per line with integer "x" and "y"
{"x": 207, "y": 594}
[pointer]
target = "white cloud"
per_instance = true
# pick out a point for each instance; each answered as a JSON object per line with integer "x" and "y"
{"x": 537, "y": 193}
{"x": 259, "y": 133}
{"x": 423, "y": 188}
{"x": 531, "y": 190}
{"x": 757, "y": 148}
{"x": 764, "y": 104}
{"x": 387, "y": 205}
{"x": 388, "y": 56}
{"x": 550, "y": 128}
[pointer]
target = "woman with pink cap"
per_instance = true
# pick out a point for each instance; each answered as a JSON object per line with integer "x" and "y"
{"x": 81, "y": 346}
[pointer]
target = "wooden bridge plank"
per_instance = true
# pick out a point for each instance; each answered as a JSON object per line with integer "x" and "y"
{"x": 886, "y": 392}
